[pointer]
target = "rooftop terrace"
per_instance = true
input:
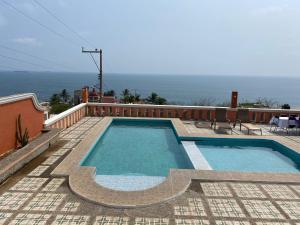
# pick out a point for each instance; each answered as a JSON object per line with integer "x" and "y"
{"x": 34, "y": 196}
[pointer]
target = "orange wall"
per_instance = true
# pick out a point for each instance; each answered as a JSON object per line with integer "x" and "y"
{"x": 32, "y": 119}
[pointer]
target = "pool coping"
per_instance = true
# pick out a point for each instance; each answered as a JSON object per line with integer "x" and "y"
{"x": 82, "y": 182}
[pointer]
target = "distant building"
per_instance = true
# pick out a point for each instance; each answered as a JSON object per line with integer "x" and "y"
{"x": 93, "y": 97}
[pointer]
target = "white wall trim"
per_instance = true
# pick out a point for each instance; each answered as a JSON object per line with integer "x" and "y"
{"x": 191, "y": 107}
{"x": 20, "y": 97}
{"x": 155, "y": 106}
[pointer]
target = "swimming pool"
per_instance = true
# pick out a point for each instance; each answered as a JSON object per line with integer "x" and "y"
{"x": 144, "y": 156}
{"x": 249, "y": 155}
{"x": 142, "y": 148}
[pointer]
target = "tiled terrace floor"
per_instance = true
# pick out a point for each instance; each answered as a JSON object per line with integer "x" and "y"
{"x": 293, "y": 134}
{"x": 32, "y": 196}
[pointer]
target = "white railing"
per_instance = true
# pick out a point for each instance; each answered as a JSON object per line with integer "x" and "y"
{"x": 67, "y": 118}
{"x": 71, "y": 116}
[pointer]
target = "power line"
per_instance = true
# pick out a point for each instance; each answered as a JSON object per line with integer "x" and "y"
{"x": 33, "y": 56}
{"x": 94, "y": 61}
{"x": 23, "y": 61}
{"x": 39, "y": 23}
{"x": 62, "y": 22}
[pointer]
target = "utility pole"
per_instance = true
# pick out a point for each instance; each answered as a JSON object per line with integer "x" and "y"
{"x": 100, "y": 75}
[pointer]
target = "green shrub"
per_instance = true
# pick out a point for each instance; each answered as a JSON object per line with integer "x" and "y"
{"x": 59, "y": 108}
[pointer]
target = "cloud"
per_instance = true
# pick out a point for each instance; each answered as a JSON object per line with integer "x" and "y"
{"x": 27, "y": 41}
{"x": 273, "y": 9}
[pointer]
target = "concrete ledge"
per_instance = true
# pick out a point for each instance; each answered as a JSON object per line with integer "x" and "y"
{"x": 17, "y": 159}
{"x": 83, "y": 183}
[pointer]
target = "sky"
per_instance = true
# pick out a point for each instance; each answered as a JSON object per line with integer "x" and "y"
{"x": 232, "y": 37}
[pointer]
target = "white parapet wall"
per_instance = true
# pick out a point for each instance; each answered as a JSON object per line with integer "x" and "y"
{"x": 64, "y": 116}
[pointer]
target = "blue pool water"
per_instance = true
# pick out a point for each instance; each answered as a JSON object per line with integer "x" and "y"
{"x": 249, "y": 155}
{"x": 139, "y": 148}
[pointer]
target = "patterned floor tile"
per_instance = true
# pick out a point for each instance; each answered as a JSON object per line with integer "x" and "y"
{"x": 38, "y": 171}
{"x": 216, "y": 189}
{"x": 151, "y": 221}
{"x": 4, "y": 217}
{"x": 272, "y": 223}
{"x": 71, "y": 220}
{"x": 191, "y": 222}
{"x": 296, "y": 188}
{"x": 262, "y": 209}
{"x": 110, "y": 220}
{"x": 61, "y": 151}
{"x": 225, "y": 208}
{"x": 195, "y": 202}
{"x": 54, "y": 184}
{"x": 227, "y": 222}
{"x": 13, "y": 200}
{"x": 45, "y": 202}
{"x": 292, "y": 209}
{"x": 71, "y": 136}
{"x": 29, "y": 184}
{"x": 71, "y": 144}
{"x": 51, "y": 160}
{"x": 71, "y": 207}
{"x": 195, "y": 208}
{"x": 279, "y": 191}
{"x": 247, "y": 190}
{"x": 182, "y": 211}
{"x": 188, "y": 211}
{"x": 34, "y": 219}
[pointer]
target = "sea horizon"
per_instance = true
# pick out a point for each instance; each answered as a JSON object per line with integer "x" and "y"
{"x": 180, "y": 89}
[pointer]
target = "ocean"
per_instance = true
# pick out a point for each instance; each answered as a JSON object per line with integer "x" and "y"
{"x": 181, "y": 89}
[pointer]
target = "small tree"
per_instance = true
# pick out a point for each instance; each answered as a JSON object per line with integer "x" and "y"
{"x": 137, "y": 97}
{"x": 160, "y": 101}
{"x": 60, "y": 102}
{"x": 55, "y": 99}
{"x": 64, "y": 95}
{"x": 286, "y": 106}
{"x": 109, "y": 93}
{"x": 131, "y": 98}
{"x": 154, "y": 98}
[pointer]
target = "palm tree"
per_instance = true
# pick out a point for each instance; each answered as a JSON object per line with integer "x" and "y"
{"x": 131, "y": 98}
{"x": 126, "y": 94}
{"x": 152, "y": 98}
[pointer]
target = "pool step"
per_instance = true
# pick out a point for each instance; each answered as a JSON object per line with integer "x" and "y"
{"x": 128, "y": 183}
{"x": 198, "y": 160}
